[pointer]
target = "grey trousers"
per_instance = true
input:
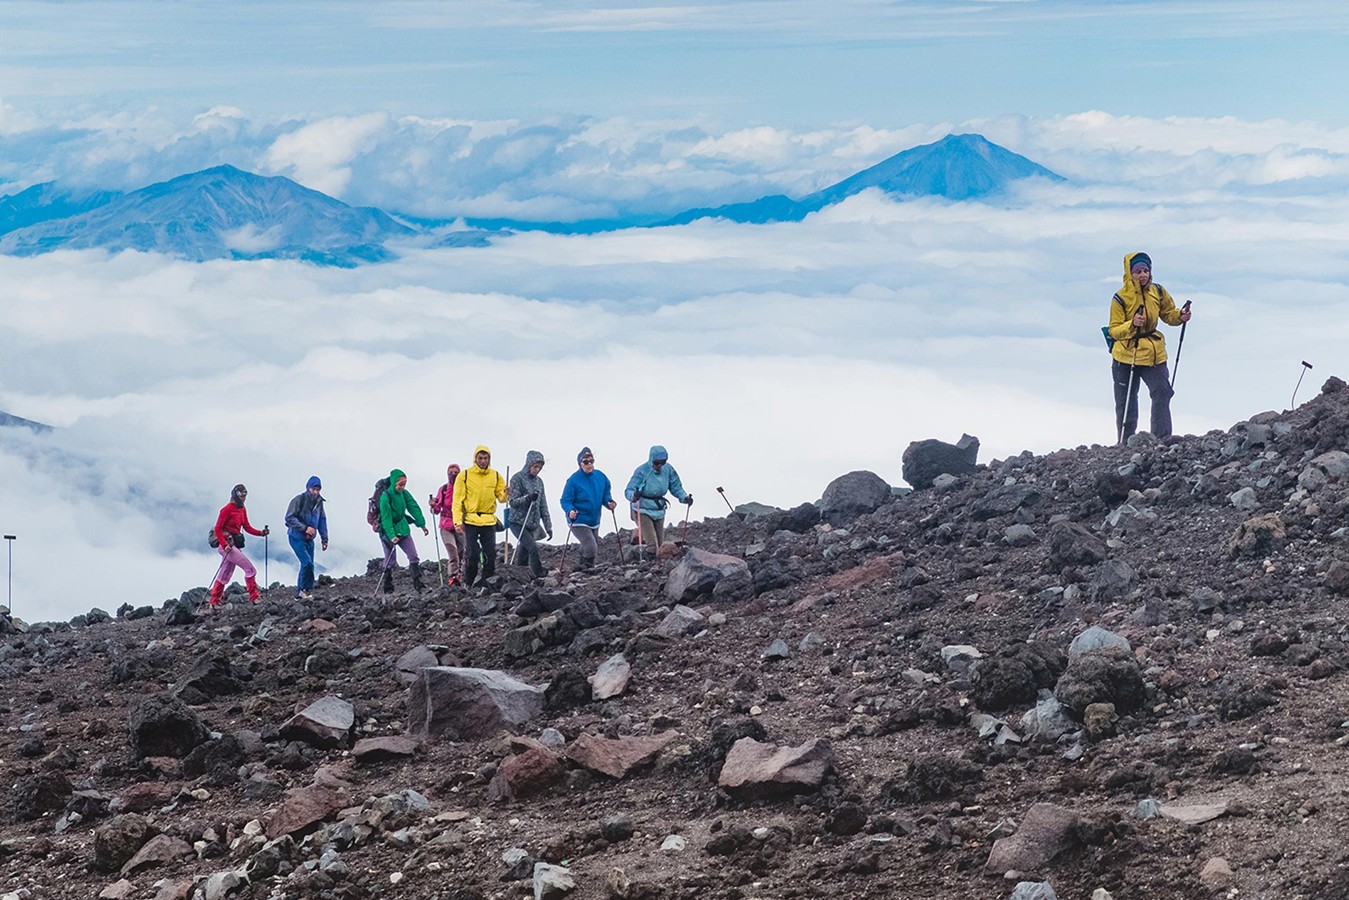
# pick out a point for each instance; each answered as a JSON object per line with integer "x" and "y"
{"x": 1158, "y": 380}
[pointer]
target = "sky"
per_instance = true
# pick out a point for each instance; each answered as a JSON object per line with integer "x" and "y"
{"x": 769, "y": 359}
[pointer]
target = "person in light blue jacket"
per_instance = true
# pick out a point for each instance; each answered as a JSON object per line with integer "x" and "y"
{"x": 585, "y": 495}
{"x": 646, "y": 491}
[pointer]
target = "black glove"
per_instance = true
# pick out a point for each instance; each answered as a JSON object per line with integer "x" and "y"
{"x": 688, "y": 499}
{"x": 532, "y": 496}
{"x": 637, "y": 495}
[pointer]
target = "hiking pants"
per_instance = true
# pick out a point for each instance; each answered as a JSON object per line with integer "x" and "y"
{"x": 529, "y": 550}
{"x": 481, "y": 542}
{"x": 304, "y": 551}
{"x": 1158, "y": 380}
{"x": 587, "y": 543}
{"x": 232, "y": 556}
{"x": 653, "y": 530}
{"x": 409, "y": 550}
{"x": 454, "y": 550}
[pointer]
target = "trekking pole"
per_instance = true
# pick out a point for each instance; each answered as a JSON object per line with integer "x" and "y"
{"x": 506, "y": 517}
{"x": 722, "y": 491}
{"x": 562, "y": 566}
{"x": 1129, "y": 394}
{"x": 641, "y": 542}
{"x": 618, "y": 539}
{"x": 684, "y": 535}
{"x": 1292, "y": 403}
{"x": 1180, "y": 345}
{"x": 529, "y": 512}
{"x": 265, "y": 530}
{"x": 440, "y": 579}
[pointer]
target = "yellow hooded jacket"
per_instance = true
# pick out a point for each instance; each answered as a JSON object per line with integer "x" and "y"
{"x": 476, "y": 492}
{"x": 1156, "y": 304}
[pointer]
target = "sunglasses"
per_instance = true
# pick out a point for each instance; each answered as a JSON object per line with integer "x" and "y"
{"x": 588, "y": 461}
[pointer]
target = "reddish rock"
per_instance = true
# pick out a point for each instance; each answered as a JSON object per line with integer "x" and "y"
{"x": 526, "y": 774}
{"x": 755, "y": 769}
{"x": 304, "y": 808}
{"x": 384, "y": 749}
{"x": 617, "y": 758}
{"x": 876, "y": 569}
{"x": 176, "y": 889}
{"x": 321, "y": 625}
{"x": 141, "y": 797}
{"x": 1045, "y": 832}
{"x": 118, "y": 890}
{"x": 161, "y": 850}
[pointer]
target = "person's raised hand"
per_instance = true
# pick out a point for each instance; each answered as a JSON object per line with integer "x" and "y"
{"x": 1185, "y": 315}
{"x": 572, "y": 515}
{"x": 1140, "y": 320}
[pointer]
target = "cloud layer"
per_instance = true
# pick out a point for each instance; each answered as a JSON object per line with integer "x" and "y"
{"x": 769, "y": 359}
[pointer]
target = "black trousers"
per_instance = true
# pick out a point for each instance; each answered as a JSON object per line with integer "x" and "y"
{"x": 480, "y": 539}
{"x": 529, "y": 550}
{"x": 1158, "y": 380}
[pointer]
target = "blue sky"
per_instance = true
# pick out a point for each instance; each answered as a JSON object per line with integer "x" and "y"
{"x": 788, "y": 62}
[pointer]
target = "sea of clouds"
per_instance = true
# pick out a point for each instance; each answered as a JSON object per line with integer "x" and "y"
{"x": 768, "y": 359}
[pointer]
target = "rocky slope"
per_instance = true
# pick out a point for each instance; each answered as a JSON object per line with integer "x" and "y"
{"x": 1105, "y": 672}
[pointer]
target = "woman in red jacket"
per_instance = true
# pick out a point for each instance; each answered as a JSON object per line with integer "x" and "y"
{"x": 229, "y": 528}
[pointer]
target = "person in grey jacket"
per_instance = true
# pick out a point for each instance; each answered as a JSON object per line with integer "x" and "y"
{"x": 529, "y": 510}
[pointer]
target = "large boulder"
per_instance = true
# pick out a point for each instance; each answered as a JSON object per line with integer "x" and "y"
{"x": 852, "y": 495}
{"x": 754, "y": 769}
{"x": 923, "y": 461}
{"x": 325, "y": 723}
{"x": 118, "y": 839}
{"x": 1258, "y": 536}
{"x": 212, "y": 676}
{"x": 305, "y": 807}
{"x": 1102, "y": 676}
{"x": 700, "y": 572}
{"x": 469, "y": 704}
{"x": 165, "y": 726}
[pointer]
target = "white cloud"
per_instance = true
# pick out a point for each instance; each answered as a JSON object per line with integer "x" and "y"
{"x": 318, "y": 154}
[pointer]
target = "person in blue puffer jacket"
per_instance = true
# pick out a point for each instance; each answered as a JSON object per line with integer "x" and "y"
{"x": 306, "y": 519}
{"x": 646, "y": 491}
{"x": 584, "y": 497}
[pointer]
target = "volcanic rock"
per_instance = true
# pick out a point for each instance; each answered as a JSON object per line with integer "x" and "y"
{"x": 160, "y": 850}
{"x": 118, "y": 839}
{"x": 165, "y": 726}
{"x": 1102, "y": 676}
{"x": 305, "y": 807}
{"x": 1070, "y": 544}
{"x": 1045, "y": 832}
{"x": 325, "y": 723}
{"x": 852, "y": 495}
{"x": 617, "y": 757}
{"x": 699, "y": 573}
{"x": 383, "y": 749}
{"x": 612, "y": 678}
{"x": 753, "y": 769}
{"x": 469, "y": 704}
{"x": 924, "y": 460}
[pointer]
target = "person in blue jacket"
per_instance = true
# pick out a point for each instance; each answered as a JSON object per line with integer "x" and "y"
{"x": 306, "y": 519}
{"x": 646, "y": 491}
{"x": 585, "y": 495}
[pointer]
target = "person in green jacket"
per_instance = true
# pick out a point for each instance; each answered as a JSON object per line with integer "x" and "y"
{"x": 398, "y": 508}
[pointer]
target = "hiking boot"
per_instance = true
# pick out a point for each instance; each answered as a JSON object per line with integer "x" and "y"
{"x": 217, "y": 592}
{"x": 254, "y": 595}
{"x": 304, "y": 595}
{"x": 416, "y": 572}
{"x": 386, "y": 581}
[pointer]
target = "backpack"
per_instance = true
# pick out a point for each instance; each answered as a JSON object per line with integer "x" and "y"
{"x": 1105, "y": 329}
{"x": 372, "y": 508}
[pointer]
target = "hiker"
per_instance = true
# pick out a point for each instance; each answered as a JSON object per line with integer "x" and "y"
{"x": 372, "y": 518}
{"x": 584, "y": 497}
{"x": 306, "y": 519}
{"x": 442, "y": 505}
{"x": 529, "y": 510}
{"x": 1139, "y": 350}
{"x": 397, "y": 508}
{"x": 646, "y": 491}
{"x": 477, "y": 490}
{"x": 229, "y": 528}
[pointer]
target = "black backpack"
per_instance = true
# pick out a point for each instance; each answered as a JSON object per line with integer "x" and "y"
{"x": 372, "y": 508}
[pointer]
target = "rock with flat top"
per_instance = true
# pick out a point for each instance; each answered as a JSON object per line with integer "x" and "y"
{"x": 754, "y": 769}
{"x": 1045, "y": 832}
{"x": 611, "y": 679}
{"x": 325, "y": 723}
{"x": 617, "y": 757}
{"x": 469, "y": 704}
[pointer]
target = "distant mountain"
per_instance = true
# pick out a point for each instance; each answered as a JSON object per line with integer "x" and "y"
{"x": 221, "y": 213}
{"x": 43, "y": 202}
{"x": 8, "y": 421}
{"x": 958, "y": 167}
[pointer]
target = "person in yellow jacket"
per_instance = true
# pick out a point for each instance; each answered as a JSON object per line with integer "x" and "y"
{"x": 477, "y": 490}
{"x": 1139, "y": 351}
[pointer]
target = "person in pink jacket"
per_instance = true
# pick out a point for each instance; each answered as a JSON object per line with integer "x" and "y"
{"x": 442, "y": 505}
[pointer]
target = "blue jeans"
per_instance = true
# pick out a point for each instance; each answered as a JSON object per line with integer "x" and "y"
{"x": 304, "y": 550}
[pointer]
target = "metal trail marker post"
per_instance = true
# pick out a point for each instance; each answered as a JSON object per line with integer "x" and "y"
{"x": 1292, "y": 404}
{"x": 9, "y": 600}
